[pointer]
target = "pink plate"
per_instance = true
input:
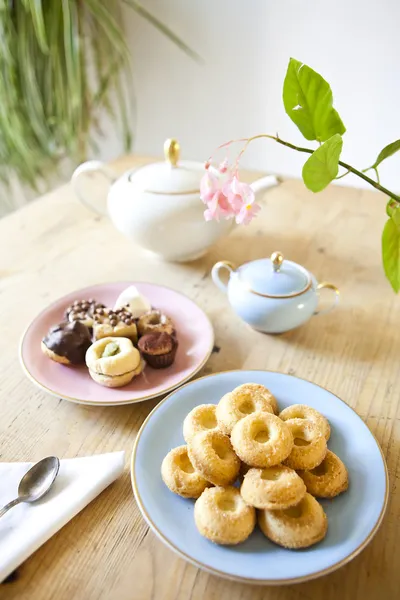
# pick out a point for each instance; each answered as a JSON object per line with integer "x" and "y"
{"x": 195, "y": 335}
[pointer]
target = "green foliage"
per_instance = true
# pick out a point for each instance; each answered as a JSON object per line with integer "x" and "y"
{"x": 309, "y": 103}
{"x": 391, "y": 249}
{"x": 62, "y": 63}
{"x": 387, "y": 151}
{"x": 323, "y": 165}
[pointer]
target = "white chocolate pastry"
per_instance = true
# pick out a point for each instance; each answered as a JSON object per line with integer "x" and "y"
{"x": 133, "y": 301}
{"x": 113, "y": 361}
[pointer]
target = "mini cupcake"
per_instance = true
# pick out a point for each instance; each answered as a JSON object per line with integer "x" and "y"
{"x": 158, "y": 349}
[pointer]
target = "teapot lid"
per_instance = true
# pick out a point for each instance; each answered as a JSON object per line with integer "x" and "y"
{"x": 275, "y": 277}
{"x": 171, "y": 177}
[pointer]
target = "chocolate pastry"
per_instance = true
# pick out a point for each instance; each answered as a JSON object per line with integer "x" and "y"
{"x": 119, "y": 323}
{"x": 67, "y": 343}
{"x": 83, "y": 311}
{"x": 158, "y": 349}
{"x": 155, "y": 321}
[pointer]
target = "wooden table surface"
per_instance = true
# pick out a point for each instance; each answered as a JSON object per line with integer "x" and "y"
{"x": 107, "y": 552}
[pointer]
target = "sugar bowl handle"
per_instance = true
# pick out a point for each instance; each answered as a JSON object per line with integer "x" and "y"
{"x": 222, "y": 264}
{"x": 328, "y": 286}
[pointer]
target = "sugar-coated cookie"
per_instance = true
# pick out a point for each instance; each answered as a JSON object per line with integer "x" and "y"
{"x": 262, "y": 440}
{"x": 180, "y": 476}
{"x": 309, "y": 447}
{"x": 302, "y": 411}
{"x": 328, "y": 479}
{"x": 222, "y": 516}
{"x": 201, "y": 418}
{"x": 212, "y": 455}
{"x": 257, "y": 388}
{"x": 272, "y": 488}
{"x": 299, "y": 526}
{"x": 235, "y": 406}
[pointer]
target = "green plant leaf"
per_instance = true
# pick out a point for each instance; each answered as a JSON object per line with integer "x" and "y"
{"x": 387, "y": 151}
{"x": 308, "y": 101}
{"x": 391, "y": 252}
{"x": 36, "y": 10}
{"x": 143, "y": 12}
{"x": 323, "y": 165}
{"x": 392, "y": 208}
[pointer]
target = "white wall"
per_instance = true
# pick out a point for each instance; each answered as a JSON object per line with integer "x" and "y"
{"x": 246, "y": 45}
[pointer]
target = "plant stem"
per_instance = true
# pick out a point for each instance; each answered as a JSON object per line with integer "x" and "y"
{"x": 342, "y": 175}
{"x": 349, "y": 168}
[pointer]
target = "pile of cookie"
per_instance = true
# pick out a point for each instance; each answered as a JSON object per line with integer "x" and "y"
{"x": 280, "y": 463}
{"x": 113, "y": 342}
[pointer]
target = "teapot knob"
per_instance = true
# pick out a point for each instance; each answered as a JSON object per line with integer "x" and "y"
{"x": 277, "y": 260}
{"x": 172, "y": 151}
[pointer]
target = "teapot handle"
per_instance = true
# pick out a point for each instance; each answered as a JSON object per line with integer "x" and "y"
{"x": 328, "y": 286}
{"x": 222, "y": 264}
{"x": 89, "y": 167}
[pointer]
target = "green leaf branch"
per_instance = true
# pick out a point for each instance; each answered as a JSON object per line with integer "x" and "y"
{"x": 308, "y": 101}
{"x": 346, "y": 166}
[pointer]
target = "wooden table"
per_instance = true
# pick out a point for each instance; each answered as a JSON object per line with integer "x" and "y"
{"x": 107, "y": 552}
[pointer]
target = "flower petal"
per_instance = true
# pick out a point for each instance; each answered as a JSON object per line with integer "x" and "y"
{"x": 208, "y": 186}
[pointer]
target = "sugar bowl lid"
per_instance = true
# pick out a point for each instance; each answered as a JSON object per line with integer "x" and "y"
{"x": 275, "y": 277}
{"x": 171, "y": 177}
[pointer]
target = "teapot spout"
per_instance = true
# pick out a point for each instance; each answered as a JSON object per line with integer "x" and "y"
{"x": 264, "y": 183}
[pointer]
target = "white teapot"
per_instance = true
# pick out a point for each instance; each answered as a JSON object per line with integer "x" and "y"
{"x": 159, "y": 205}
{"x": 272, "y": 295}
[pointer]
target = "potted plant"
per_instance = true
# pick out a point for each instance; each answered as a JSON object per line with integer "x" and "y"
{"x": 62, "y": 63}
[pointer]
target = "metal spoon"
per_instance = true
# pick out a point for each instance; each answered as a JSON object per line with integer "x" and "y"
{"x": 36, "y": 482}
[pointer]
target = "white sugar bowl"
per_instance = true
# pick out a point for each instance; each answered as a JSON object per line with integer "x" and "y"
{"x": 159, "y": 207}
{"x": 272, "y": 295}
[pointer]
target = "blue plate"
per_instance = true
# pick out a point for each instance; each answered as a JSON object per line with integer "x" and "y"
{"x": 353, "y": 517}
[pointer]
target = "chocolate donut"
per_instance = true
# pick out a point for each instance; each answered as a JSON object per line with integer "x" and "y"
{"x": 67, "y": 342}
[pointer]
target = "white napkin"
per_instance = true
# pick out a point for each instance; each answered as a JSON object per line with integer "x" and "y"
{"x": 24, "y": 528}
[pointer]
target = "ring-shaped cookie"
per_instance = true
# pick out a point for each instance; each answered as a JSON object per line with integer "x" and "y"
{"x": 155, "y": 321}
{"x": 180, "y": 476}
{"x": 222, "y": 516}
{"x": 328, "y": 479}
{"x": 114, "y": 370}
{"x": 212, "y": 455}
{"x": 302, "y": 411}
{"x": 309, "y": 447}
{"x": 238, "y": 404}
{"x": 262, "y": 440}
{"x": 299, "y": 526}
{"x": 272, "y": 488}
{"x": 201, "y": 418}
{"x": 260, "y": 389}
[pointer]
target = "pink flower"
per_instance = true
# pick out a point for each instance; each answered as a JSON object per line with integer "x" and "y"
{"x": 247, "y": 213}
{"x": 238, "y": 193}
{"x": 209, "y": 185}
{"x": 218, "y": 207}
